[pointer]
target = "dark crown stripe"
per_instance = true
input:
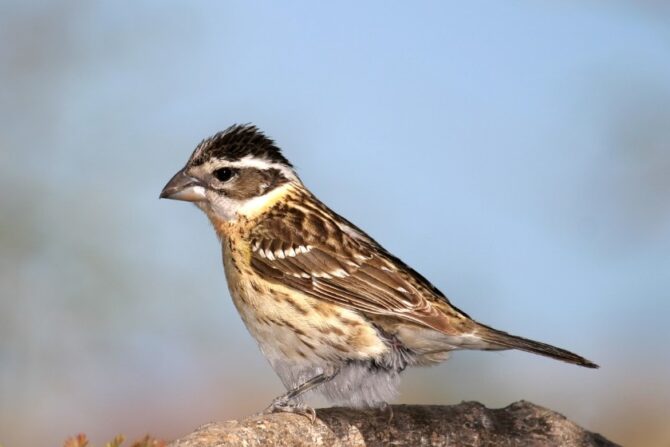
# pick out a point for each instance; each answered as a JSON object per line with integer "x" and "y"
{"x": 237, "y": 142}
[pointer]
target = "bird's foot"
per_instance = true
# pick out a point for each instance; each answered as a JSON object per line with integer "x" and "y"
{"x": 283, "y": 405}
{"x": 387, "y": 411}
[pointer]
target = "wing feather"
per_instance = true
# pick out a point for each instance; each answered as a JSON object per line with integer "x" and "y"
{"x": 347, "y": 267}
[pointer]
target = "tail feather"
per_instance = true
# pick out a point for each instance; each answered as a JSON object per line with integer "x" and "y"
{"x": 507, "y": 341}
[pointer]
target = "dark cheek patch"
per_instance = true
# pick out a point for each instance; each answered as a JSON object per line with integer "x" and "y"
{"x": 252, "y": 182}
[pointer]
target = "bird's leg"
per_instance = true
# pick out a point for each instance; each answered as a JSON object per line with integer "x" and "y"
{"x": 283, "y": 402}
{"x": 386, "y": 410}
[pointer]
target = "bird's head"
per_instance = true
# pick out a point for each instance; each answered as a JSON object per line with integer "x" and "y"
{"x": 232, "y": 173}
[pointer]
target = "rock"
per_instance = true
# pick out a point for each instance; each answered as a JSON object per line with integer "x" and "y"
{"x": 465, "y": 424}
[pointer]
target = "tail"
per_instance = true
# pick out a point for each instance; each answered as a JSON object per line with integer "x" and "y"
{"x": 503, "y": 340}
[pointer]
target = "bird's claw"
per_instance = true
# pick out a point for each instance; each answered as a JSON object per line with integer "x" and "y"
{"x": 283, "y": 405}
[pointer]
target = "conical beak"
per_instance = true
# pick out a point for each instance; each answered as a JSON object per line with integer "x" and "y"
{"x": 184, "y": 187}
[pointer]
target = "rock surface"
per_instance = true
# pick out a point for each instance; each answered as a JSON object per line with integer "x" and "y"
{"x": 465, "y": 424}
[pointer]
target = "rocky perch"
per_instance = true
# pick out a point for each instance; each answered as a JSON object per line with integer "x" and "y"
{"x": 465, "y": 424}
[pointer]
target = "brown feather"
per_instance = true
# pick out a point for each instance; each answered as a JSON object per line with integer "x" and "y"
{"x": 329, "y": 258}
{"x": 345, "y": 265}
{"x": 503, "y": 339}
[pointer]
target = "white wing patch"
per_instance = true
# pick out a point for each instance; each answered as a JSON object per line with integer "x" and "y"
{"x": 351, "y": 232}
{"x": 294, "y": 251}
{"x": 340, "y": 273}
{"x": 280, "y": 253}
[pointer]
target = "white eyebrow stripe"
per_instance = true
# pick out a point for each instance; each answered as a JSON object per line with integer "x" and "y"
{"x": 249, "y": 161}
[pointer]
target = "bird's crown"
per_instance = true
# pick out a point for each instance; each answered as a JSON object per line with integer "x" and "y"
{"x": 236, "y": 143}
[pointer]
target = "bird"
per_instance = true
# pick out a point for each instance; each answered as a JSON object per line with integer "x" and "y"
{"x": 333, "y": 311}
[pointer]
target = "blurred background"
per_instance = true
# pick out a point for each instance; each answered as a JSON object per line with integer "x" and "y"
{"x": 517, "y": 154}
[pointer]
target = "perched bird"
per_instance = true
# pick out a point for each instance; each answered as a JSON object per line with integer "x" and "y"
{"x": 330, "y": 308}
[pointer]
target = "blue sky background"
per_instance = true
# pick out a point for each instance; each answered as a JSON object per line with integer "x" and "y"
{"x": 516, "y": 153}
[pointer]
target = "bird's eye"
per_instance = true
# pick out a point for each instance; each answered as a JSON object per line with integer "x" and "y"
{"x": 224, "y": 174}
